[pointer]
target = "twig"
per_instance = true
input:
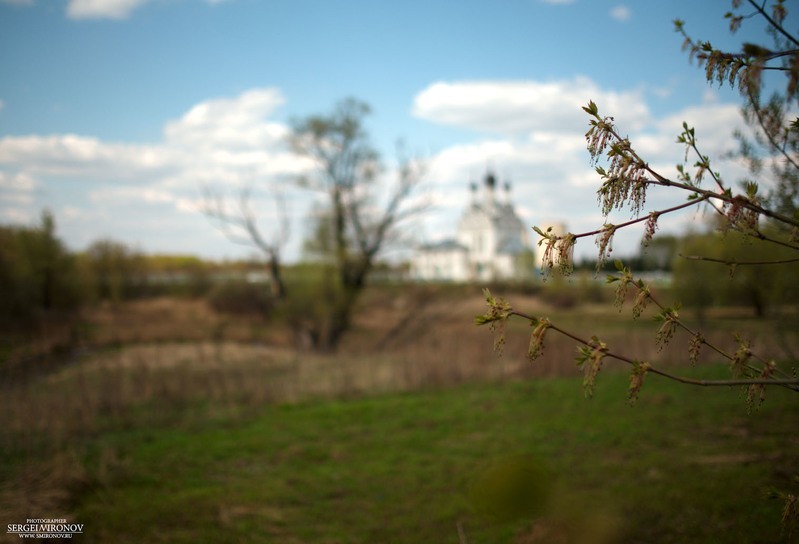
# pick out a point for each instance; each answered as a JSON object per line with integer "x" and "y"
{"x": 736, "y": 263}
{"x": 461, "y": 533}
{"x": 790, "y": 383}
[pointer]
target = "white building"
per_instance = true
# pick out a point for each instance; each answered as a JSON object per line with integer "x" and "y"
{"x": 491, "y": 243}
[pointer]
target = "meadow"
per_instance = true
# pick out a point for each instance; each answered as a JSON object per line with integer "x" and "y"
{"x": 173, "y": 423}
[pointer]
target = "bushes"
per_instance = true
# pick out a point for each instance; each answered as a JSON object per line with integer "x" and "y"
{"x": 762, "y": 287}
{"x": 116, "y": 271}
{"x": 241, "y": 298}
{"x": 37, "y": 273}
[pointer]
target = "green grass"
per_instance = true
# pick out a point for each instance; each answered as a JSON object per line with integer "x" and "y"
{"x": 684, "y": 465}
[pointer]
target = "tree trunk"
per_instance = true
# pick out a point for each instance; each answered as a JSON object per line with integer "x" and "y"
{"x": 278, "y": 288}
{"x": 338, "y": 320}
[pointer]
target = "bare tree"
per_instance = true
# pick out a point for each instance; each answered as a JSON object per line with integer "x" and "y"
{"x": 241, "y": 226}
{"x": 361, "y": 223}
{"x": 362, "y": 214}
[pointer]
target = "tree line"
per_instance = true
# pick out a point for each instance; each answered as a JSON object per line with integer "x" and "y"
{"x": 40, "y": 277}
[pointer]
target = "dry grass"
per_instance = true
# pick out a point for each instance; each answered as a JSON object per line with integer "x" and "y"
{"x": 153, "y": 361}
{"x": 406, "y": 344}
{"x": 169, "y": 319}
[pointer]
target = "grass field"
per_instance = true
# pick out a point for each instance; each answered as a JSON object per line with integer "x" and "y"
{"x": 685, "y": 465}
{"x": 201, "y": 441}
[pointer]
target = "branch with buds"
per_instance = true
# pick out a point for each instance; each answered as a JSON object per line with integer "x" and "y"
{"x": 626, "y": 179}
{"x": 592, "y": 352}
{"x": 625, "y": 182}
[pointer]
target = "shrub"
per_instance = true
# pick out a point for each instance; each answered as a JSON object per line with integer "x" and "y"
{"x": 37, "y": 274}
{"x": 241, "y": 298}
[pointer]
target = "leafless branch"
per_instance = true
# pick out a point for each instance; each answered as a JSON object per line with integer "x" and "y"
{"x": 241, "y": 227}
{"x": 733, "y": 262}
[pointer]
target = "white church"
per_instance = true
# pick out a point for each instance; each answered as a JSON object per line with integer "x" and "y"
{"x": 491, "y": 243}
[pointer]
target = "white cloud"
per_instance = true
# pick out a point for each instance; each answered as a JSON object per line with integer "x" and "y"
{"x": 225, "y": 142}
{"x": 128, "y": 195}
{"x": 238, "y": 123}
{"x": 16, "y": 215}
{"x": 18, "y": 182}
{"x": 714, "y": 124}
{"x": 102, "y": 9}
{"x": 516, "y": 107}
{"x": 72, "y": 213}
{"x": 220, "y": 139}
{"x": 621, "y": 13}
{"x": 2, "y": 104}
{"x": 71, "y": 155}
{"x": 99, "y": 9}
{"x": 17, "y": 188}
{"x": 532, "y": 133}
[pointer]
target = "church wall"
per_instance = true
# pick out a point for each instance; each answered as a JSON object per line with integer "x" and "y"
{"x": 491, "y": 234}
{"x": 431, "y": 265}
{"x": 505, "y": 267}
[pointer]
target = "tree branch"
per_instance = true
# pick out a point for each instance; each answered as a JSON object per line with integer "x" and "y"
{"x": 792, "y": 384}
{"x": 737, "y": 263}
{"x": 773, "y": 23}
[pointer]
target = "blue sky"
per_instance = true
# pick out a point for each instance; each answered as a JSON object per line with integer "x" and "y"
{"x": 114, "y": 113}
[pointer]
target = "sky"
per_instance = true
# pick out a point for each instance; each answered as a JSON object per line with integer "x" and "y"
{"x": 116, "y": 114}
